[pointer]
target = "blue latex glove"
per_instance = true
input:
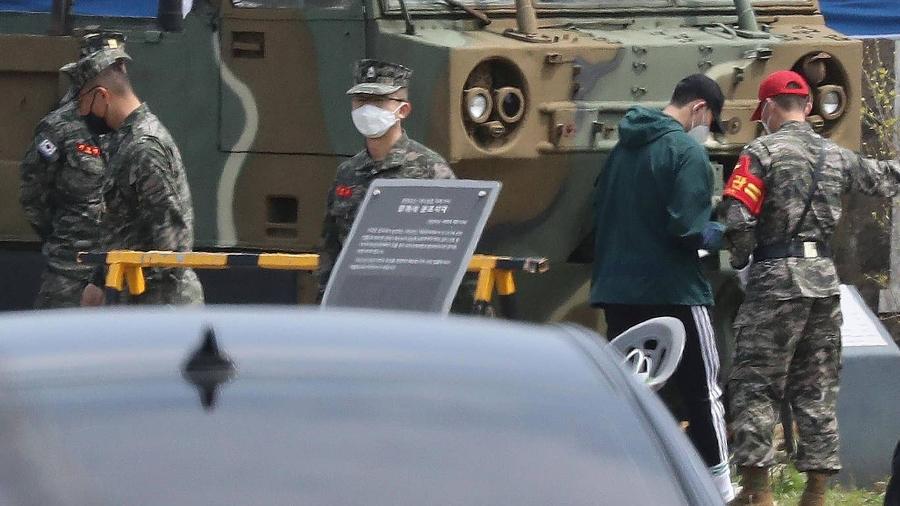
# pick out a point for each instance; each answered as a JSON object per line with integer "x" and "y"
{"x": 713, "y": 235}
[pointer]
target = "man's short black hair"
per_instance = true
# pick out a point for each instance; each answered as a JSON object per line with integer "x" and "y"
{"x": 791, "y": 102}
{"x": 115, "y": 78}
{"x": 700, "y": 87}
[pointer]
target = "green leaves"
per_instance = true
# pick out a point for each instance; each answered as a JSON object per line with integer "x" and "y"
{"x": 878, "y": 106}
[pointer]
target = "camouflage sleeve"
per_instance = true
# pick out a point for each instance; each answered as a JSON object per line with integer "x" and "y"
{"x": 331, "y": 245}
{"x": 152, "y": 177}
{"x": 689, "y": 207}
{"x": 739, "y": 231}
{"x": 740, "y": 222}
{"x": 85, "y": 180}
{"x": 441, "y": 169}
{"x": 36, "y": 171}
{"x": 870, "y": 176}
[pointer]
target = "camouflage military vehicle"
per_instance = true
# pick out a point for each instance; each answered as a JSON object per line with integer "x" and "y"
{"x": 527, "y": 93}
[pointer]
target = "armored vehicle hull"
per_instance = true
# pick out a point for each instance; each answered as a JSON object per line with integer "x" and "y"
{"x": 253, "y": 92}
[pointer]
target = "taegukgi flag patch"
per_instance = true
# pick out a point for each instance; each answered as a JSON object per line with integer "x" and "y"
{"x": 47, "y": 149}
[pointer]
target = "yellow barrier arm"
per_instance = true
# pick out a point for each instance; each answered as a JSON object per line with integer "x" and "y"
{"x": 126, "y": 267}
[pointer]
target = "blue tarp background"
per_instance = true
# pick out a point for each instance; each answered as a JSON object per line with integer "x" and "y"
{"x": 130, "y": 8}
{"x": 860, "y": 17}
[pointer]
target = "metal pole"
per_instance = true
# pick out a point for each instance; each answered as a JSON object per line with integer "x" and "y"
{"x": 889, "y": 299}
{"x": 61, "y": 17}
{"x": 746, "y": 16}
{"x": 526, "y": 17}
{"x": 410, "y": 28}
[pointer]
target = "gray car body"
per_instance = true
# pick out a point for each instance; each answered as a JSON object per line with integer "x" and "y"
{"x": 329, "y": 407}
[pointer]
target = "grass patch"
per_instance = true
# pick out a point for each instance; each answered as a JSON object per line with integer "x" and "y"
{"x": 788, "y": 485}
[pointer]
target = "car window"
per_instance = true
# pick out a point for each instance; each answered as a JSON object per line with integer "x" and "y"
{"x": 333, "y": 441}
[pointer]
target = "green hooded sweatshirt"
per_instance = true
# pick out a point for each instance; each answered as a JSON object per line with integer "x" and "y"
{"x": 651, "y": 203}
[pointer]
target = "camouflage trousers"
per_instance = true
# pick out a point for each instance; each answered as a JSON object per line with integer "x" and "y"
{"x": 787, "y": 350}
{"x": 167, "y": 287}
{"x": 61, "y": 287}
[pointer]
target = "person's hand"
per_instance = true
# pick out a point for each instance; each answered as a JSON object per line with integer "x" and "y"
{"x": 713, "y": 234}
{"x": 92, "y": 295}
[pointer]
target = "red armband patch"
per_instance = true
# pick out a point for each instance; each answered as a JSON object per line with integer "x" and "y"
{"x": 88, "y": 149}
{"x": 744, "y": 186}
{"x": 343, "y": 191}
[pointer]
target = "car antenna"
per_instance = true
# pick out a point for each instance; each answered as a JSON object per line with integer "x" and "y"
{"x": 207, "y": 368}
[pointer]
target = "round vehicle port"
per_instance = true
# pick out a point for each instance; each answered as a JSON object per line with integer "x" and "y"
{"x": 493, "y": 103}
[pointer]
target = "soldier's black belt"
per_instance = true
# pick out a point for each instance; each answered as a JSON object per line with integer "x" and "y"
{"x": 793, "y": 249}
{"x": 83, "y": 274}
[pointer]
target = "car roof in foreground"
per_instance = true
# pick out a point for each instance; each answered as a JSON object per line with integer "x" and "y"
{"x": 325, "y": 407}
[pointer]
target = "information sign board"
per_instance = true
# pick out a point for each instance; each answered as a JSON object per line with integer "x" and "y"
{"x": 410, "y": 244}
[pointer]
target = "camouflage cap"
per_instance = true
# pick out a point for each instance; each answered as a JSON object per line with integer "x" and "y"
{"x": 90, "y": 66}
{"x": 781, "y": 82}
{"x": 91, "y": 43}
{"x": 69, "y": 70}
{"x": 374, "y": 77}
{"x": 95, "y": 41}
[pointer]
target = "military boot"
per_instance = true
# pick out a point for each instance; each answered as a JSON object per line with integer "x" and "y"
{"x": 755, "y": 491}
{"x": 816, "y": 484}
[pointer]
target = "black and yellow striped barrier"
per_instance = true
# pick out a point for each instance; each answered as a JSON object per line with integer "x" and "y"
{"x": 125, "y": 268}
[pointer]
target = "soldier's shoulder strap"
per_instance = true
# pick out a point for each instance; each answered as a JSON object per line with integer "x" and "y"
{"x": 814, "y": 185}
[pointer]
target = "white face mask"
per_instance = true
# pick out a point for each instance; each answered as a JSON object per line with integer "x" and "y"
{"x": 373, "y": 121}
{"x": 699, "y": 133}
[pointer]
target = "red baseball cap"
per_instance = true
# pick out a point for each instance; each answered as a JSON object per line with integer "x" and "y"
{"x": 783, "y": 82}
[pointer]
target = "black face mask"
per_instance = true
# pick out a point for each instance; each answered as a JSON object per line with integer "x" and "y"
{"x": 96, "y": 124}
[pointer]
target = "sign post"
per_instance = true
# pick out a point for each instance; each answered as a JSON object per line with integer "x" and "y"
{"x": 411, "y": 244}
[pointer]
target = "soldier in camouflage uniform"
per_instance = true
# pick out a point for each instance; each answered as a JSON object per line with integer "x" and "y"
{"x": 380, "y": 102}
{"x": 63, "y": 175}
{"x": 782, "y": 204}
{"x": 148, "y": 203}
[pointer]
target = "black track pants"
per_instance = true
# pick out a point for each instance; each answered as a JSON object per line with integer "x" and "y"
{"x": 892, "y": 496}
{"x": 696, "y": 377}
